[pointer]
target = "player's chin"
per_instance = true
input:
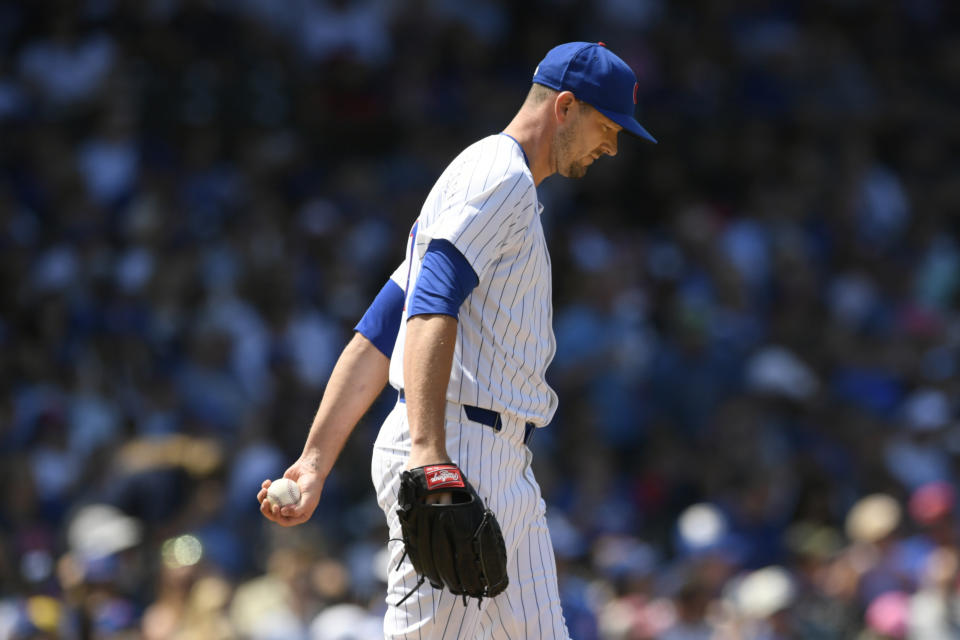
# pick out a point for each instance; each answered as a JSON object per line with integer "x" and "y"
{"x": 575, "y": 170}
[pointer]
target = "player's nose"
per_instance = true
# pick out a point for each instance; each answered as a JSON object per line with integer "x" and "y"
{"x": 612, "y": 148}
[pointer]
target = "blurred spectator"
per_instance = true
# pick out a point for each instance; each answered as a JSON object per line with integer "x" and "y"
{"x": 64, "y": 66}
{"x": 757, "y": 319}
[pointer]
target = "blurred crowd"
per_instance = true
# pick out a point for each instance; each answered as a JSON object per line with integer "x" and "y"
{"x": 757, "y": 319}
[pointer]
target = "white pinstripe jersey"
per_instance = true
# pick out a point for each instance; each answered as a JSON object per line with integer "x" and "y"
{"x": 485, "y": 204}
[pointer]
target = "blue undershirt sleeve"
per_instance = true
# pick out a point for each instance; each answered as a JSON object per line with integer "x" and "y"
{"x": 444, "y": 282}
{"x": 381, "y": 323}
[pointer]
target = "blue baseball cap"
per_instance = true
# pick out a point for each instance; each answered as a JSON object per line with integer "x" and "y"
{"x": 597, "y": 76}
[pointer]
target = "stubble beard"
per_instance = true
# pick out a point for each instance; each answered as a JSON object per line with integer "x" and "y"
{"x": 576, "y": 170}
{"x": 565, "y": 140}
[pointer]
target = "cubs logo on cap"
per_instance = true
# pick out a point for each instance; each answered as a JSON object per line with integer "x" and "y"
{"x": 597, "y": 76}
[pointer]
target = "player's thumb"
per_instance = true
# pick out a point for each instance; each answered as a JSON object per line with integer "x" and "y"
{"x": 302, "y": 507}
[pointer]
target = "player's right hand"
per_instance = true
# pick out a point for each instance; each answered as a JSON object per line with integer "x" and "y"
{"x": 304, "y": 473}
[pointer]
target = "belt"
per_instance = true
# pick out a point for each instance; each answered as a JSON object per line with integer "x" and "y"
{"x": 489, "y": 418}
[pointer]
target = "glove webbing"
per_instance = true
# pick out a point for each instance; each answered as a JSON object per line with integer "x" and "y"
{"x": 423, "y": 579}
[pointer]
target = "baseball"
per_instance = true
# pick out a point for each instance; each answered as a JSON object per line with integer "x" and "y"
{"x": 283, "y": 492}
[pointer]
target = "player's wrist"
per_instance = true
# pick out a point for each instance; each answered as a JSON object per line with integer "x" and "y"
{"x": 313, "y": 461}
{"x": 423, "y": 455}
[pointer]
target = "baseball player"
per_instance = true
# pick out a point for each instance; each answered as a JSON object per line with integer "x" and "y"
{"x": 463, "y": 332}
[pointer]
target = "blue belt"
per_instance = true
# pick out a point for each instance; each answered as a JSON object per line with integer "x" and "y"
{"x": 488, "y": 417}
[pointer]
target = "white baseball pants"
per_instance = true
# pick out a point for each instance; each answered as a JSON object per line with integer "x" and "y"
{"x": 497, "y": 464}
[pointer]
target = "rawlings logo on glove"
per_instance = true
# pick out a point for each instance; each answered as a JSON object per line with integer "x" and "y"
{"x": 459, "y": 545}
{"x": 447, "y": 475}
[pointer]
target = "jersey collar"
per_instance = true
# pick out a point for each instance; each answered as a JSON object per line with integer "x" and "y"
{"x": 526, "y": 162}
{"x": 520, "y": 146}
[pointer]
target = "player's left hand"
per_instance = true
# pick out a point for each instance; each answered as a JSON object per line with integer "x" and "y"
{"x": 304, "y": 473}
{"x": 456, "y": 544}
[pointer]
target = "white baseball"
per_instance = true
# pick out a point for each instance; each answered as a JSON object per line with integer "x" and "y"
{"x": 283, "y": 492}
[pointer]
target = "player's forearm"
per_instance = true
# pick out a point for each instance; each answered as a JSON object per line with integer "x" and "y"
{"x": 427, "y": 359}
{"x": 357, "y": 379}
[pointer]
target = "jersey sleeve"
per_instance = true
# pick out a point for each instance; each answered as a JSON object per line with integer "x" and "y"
{"x": 381, "y": 322}
{"x": 444, "y": 282}
{"x": 399, "y": 275}
{"x": 483, "y": 217}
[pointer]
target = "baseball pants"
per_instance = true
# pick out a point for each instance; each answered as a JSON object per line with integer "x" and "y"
{"x": 497, "y": 464}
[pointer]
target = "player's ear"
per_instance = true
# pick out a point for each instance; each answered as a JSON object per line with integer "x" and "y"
{"x": 563, "y": 104}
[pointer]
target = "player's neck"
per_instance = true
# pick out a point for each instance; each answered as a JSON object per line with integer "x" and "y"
{"x": 535, "y": 138}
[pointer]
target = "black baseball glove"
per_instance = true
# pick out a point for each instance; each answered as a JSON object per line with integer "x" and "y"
{"x": 458, "y": 546}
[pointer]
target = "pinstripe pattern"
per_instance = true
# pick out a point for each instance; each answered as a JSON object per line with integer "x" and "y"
{"x": 530, "y": 607}
{"x": 485, "y": 204}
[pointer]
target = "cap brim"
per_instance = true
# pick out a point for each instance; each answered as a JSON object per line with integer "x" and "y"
{"x": 629, "y": 124}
